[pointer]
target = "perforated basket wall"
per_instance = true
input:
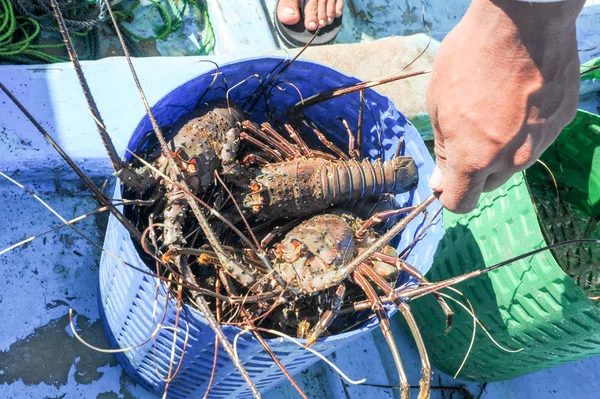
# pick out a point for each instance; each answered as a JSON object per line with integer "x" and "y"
{"x": 127, "y": 296}
{"x": 531, "y": 304}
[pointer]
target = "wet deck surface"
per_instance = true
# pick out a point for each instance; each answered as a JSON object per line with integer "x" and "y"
{"x": 40, "y": 281}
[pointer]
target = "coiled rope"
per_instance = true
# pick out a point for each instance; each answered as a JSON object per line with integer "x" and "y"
{"x": 23, "y": 21}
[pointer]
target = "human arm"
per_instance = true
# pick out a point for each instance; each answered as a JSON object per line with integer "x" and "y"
{"x": 505, "y": 82}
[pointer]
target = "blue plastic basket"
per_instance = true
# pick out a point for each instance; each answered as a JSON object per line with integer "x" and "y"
{"x": 127, "y": 297}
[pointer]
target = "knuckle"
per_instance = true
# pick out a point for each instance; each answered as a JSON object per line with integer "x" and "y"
{"x": 439, "y": 151}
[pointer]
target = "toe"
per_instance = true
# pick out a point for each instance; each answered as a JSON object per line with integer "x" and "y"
{"x": 331, "y": 15}
{"x": 288, "y": 12}
{"x": 322, "y": 12}
{"x": 311, "y": 14}
{"x": 339, "y": 6}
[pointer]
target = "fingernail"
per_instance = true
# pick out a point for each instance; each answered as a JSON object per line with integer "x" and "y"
{"x": 436, "y": 181}
{"x": 289, "y": 11}
{"x": 312, "y": 26}
{"x": 321, "y": 22}
{"x": 329, "y": 20}
{"x": 338, "y": 14}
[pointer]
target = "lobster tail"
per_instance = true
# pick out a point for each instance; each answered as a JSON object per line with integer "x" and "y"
{"x": 304, "y": 186}
{"x": 350, "y": 180}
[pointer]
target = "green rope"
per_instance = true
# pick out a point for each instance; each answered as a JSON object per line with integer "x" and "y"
{"x": 163, "y": 30}
{"x": 20, "y": 35}
{"x": 23, "y": 21}
{"x": 208, "y": 40}
{"x": 8, "y": 17}
{"x": 172, "y": 18}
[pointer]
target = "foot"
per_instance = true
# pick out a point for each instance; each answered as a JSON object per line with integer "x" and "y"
{"x": 317, "y": 13}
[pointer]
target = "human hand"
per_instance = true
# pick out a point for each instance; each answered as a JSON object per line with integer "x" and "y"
{"x": 505, "y": 82}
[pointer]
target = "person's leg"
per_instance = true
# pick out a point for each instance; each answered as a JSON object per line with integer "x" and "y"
{"x": 316, "y": 12}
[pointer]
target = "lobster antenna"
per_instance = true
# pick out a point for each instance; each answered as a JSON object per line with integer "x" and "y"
{"x": 268, "y": 81}
{"x": 329, "y": 94}
{"x": 343, "y": 90}
{"x": 90, "y": 184}
{"x": 421, "y": 291}
{"x": 210, "y": 234}
{"x": 115, "y": 160}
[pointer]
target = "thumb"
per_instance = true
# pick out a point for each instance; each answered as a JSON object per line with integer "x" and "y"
{"x": 438, "y": 176}
{"x": 436, "y": 181}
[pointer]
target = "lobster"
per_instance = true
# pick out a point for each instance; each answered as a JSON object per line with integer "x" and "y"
{"x": 305, "y": 186}
{"x": 203, "y": 141}
{"x": 322, "y": 246}
{"x": 306, "y": 181}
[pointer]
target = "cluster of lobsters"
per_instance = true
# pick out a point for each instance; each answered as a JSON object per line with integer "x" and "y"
{"x": 308, "y": 211}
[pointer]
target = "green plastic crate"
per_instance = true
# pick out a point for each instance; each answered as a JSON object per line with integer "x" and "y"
{"x": 531, "y": 304}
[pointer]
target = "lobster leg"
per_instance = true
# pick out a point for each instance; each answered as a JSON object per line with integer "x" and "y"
{"x": 378, "y": 218}
{"x": 269, "y": 139}
{"x": 379, "y": 311}
{"x": 296, "y": 137}
{"x": 352, "y": 151}
{"x": 328, "y": 316}
{"x": 262, "y": 146}
{"x": 360, "y": 118}
{"x": 400, "y": 146}
{"x": 425, "y": 383}
{"x": 268, "y": 129}
{"x": 324, "y": 140}
{"x": 324, "y": 155}
{"x": 253, "y": 159}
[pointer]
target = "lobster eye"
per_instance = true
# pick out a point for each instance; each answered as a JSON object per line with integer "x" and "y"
{"x": 299, "y": 246}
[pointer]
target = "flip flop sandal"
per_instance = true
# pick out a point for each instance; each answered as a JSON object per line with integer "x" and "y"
{"x": 297, "y": 35}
